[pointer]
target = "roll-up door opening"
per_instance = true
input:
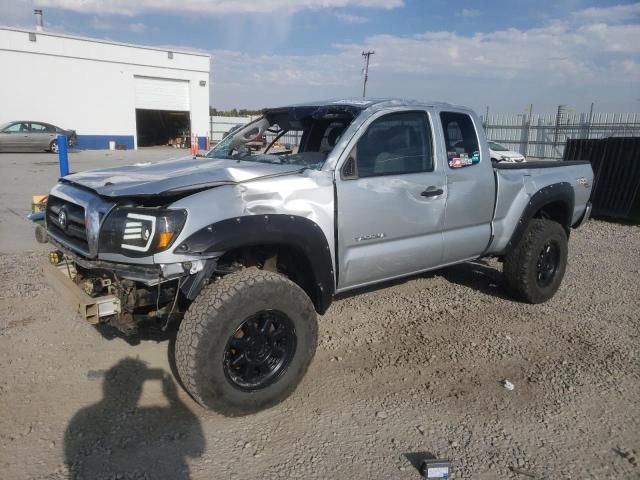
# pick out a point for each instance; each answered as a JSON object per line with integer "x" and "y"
{"x": 161, "y": 127}
{"x": 162, "y": 111}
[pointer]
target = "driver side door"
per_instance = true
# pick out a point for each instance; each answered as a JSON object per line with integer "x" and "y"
{"x": 391, "y": 197}
{"x": 14, "y": 137}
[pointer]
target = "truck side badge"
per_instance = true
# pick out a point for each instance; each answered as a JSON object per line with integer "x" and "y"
{"x": 372, "y": 236}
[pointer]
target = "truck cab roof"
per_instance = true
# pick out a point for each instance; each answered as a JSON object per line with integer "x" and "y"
{"x": 363, "y": 104}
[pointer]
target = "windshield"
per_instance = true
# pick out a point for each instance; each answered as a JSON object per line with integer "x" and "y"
{"x": 497, "y": 147}
{"x": 303, "y": 136}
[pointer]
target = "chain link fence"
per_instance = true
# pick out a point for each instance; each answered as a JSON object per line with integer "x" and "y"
{"x": 538, "y": 136}
{"x": 543, "y": 137}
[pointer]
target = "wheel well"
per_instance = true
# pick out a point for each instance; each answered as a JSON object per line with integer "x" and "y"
{"x": 285, "y": 259}
{"x": 558, "y": 212}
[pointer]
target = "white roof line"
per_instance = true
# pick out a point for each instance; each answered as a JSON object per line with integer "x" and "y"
{"x": 108, "y": 42}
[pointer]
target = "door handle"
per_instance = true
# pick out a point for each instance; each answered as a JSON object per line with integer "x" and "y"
{"x": 432, "y": 192}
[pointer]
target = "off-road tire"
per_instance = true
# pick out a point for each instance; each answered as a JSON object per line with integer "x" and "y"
{"x": 211, "y": 321}
{"x": 521, "y": 263}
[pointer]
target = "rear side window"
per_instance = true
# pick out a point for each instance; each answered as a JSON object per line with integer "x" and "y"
{"x": 460, "y": 138}
{"x": 394, "y": 144}
{"x": 38, "y": 128}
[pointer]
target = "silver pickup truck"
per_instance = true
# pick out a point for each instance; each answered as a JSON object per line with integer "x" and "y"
{"x": 243, "y": 249}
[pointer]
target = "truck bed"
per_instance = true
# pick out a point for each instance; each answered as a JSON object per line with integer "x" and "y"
{"x": 538, "y": 164}
{"x": 516, "y": 183}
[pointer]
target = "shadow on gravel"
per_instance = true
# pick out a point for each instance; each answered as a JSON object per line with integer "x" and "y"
{"x": 118, "y": 438}
{"x": 417, "y": 459}
{"x": 478, "y": 276}
{"x": 150, "y": 330}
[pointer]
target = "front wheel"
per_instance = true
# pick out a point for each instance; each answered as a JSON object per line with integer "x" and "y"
{"x": 535, "y": 266}
{"x": 246, "y": 342}
{"x": 53, "y": 147}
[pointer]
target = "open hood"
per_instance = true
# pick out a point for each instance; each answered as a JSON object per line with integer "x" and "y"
{"x": 173, "y": 177}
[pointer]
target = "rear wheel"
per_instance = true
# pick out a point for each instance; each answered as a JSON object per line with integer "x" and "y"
{"x": 535, "y": 267}
{"x": 246, "y": 342}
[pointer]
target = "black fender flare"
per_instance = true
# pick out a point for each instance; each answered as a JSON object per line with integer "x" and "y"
{"x": 271, "y": 229}
{"x": 557, "y": 192}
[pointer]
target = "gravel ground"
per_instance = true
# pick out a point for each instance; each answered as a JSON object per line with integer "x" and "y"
{"x": 406, "y": 370}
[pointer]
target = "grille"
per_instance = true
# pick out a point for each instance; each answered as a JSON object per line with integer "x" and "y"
{"x": 65, "y": 220}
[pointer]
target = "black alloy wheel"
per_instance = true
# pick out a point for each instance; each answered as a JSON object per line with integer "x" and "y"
{"x": 246, "y": 342}
{"x": 260, "y": 350}
{"x": 547, "y": 266}
{"x": 536, "y": 264}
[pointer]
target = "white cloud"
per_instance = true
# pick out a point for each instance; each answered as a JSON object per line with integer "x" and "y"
{"x": 105, "y": 24}
{"x": 211, "y": 7}
{"x": 564, "y": 61}
{"x": 351, "y": 19}
{"x": 15, "y": 13}
{"x": 470, "y": 13}
{"x": 613, "y": 14}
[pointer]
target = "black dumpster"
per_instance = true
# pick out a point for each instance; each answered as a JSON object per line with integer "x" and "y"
{"x": 616, "y": 167}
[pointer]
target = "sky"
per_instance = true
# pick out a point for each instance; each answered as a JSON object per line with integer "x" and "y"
{"x": 502, "y": 54}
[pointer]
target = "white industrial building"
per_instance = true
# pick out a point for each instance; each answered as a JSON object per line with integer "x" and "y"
{"x": 105, "y": 91}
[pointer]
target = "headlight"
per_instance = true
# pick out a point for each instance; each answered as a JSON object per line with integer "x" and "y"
{"x": 137, "y": 232}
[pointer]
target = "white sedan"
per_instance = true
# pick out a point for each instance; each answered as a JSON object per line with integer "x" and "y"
{"x": 500, "y": 153}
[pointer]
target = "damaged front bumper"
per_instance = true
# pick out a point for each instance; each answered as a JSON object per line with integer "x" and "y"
{"x": 124, "y": 294}
{"x": 60, "y": 277}
{"x": 195, "y": 271}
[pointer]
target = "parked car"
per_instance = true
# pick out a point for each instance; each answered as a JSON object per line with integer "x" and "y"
{"x": 245, "y": 248}
{"x": 25, "y": 135}
{"x": 500, "y": 153}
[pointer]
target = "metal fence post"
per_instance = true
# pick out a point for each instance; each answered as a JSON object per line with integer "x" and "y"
{"x": 63, "y": 155}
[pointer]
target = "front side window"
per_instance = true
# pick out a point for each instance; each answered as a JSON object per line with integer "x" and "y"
{"x": 497, "y": 147}
{"x": 396, "y": 143}
{"x": 17, "y": 128}
{"x": 460, "y": 139}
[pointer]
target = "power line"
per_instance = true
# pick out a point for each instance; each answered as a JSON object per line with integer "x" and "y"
{"x": 366, "y": 56}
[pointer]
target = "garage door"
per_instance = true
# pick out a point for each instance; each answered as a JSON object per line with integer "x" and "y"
{"x": 161, "y": 94}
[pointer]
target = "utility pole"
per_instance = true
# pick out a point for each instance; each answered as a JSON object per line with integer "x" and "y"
{"x": 590, "y": 120}
{"x": 529, "y": 117}
{"x": 366, "y": 56}
{"x": 561, "y": 111}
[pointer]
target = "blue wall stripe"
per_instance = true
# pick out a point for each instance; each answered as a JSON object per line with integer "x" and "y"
{"x": 101, "y": 142}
